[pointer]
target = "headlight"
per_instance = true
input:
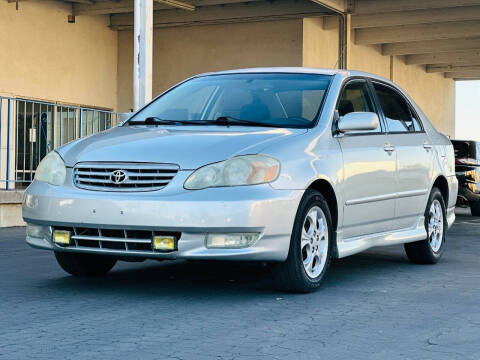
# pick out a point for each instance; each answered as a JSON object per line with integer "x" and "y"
{"x": 51, "y": 169}
{"x": 240, "y": 170}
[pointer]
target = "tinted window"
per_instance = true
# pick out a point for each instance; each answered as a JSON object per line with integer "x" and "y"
{"x": 355, "y": 97}
{"x": 286, "y": 100}
{"x": 397, "y": 113}
{"x": 416, "y": 121}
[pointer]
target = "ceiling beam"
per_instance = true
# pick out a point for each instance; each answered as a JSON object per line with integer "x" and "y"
{"x": 466, "y": 79}
{"x": 452, "y": 68}
{"x": 463, "y": 75}
{"x": 126, "y": 6}
{"x": 424, "y": 47}
{"x": 404, "y": 33}
{"x": 416, "y": 17}
{"x": 280, "y": 9}
{"x": 335, "y": 5}
{"x": 109, "y": 7}
{"x": 88, "y": 2}
{"x": 380, "y": 6}
{"x": 176, "y": 4}
{"x": 468, "y": 57}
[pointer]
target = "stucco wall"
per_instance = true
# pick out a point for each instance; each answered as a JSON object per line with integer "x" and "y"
{"x": 45, "y": 57}
{"x": 185, "y": 51}
{"x": 320, "y": 47}
{"x": 431, "y": 91}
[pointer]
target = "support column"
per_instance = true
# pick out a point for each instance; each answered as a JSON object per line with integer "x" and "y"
{"x": 142, "y": 48}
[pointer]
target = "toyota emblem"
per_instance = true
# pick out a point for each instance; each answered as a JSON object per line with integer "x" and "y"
{"x": 118, "y": 177}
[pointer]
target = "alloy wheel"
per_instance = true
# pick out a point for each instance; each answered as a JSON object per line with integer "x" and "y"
{"x": 314, "y": 244}
{"x": 435, "y": 225}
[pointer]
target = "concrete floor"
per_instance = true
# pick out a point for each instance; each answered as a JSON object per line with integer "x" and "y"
{"x": 375, "y": 305}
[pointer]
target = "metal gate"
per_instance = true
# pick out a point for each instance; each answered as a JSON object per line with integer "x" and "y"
{"x": 29, "y": 129}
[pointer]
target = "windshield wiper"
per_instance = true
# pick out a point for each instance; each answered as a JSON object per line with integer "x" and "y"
{"x": 221, "y": 120}
{"x": 152, "y": 120}
{"x": 229, "y": 120}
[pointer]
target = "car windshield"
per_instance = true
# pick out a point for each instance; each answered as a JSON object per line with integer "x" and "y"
{"x": 272, "y": 99}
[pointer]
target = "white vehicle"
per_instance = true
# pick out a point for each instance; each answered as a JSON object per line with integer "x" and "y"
{"x": 291, "y": 166}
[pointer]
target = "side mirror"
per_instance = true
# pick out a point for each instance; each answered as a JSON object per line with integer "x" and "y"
{"x": 358, "y": 121}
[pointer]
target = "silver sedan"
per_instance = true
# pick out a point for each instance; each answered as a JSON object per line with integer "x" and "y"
{"x": 290, "y": 166}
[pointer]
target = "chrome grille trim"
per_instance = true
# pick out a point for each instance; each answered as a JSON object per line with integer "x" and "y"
{"x": 139, "y": 176}
{"x": 133, "y": 241}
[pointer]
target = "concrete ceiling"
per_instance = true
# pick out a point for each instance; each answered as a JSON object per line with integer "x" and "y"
{"x": 443, "y": 35}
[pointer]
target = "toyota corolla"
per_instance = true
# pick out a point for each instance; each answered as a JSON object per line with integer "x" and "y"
{"x": 288, "y": 166}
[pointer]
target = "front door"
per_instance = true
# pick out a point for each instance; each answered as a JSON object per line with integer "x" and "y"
{"x": 369, "y": 174}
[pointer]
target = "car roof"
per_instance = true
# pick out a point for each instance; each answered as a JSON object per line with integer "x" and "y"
{"x": 298, "y": 70}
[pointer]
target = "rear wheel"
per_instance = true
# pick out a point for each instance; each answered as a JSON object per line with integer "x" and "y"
{"x": 430, "y": 250}
{"x": 475, "y": 208}
{"x": 310, "y": 247}
{"x": 85, "y": 264}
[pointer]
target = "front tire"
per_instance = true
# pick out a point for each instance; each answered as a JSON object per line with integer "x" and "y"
{"x": 475, "y": 208}
{"x": 310, "y": 247}
{"x": 84, "y": 265}
{"x": 430, "y": 250}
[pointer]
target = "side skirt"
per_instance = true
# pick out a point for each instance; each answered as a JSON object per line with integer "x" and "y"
{"x": 347, "y": 247}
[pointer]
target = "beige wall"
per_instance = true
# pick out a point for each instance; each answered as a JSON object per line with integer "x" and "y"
{"x": 320, "y": 47}
{"x": 432, "y": 92}
{"x": 185, "y": 51}
{"x": 45, "y": 57}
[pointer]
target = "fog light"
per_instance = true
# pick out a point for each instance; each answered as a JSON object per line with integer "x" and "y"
{"x": 36, "y": 231}
{"x": 164, "y": 243}
{"x": 232, "y": 241}
{"x": 61, "y": 237}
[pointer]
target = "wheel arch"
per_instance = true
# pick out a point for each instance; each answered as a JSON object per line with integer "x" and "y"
{"x": 442, "y": 184}
{"x": 326, "y": 189}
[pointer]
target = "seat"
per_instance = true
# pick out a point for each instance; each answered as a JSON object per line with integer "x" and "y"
{"x": 256, "y": 111}
{"x": 345, "y": 107}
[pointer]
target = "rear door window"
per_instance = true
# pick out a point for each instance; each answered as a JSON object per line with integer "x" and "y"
{"x": 397, "y": 112}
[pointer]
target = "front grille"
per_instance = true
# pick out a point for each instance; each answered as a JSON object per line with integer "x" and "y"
{"x": 123, "y": 176}
{"x": 123, "y": 240}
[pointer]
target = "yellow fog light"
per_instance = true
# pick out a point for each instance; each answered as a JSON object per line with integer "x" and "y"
{"x": 61, "y": 237}
{"x": 164, "y": 243}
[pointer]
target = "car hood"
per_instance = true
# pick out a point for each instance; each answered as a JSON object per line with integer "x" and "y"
{"x": 188, "y": 146}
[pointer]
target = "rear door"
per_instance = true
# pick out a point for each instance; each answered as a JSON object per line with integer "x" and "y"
{"x": 414, "y": 155}
{"x": 369, "y": 168}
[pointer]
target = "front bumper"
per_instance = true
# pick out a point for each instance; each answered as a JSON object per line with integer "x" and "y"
{"x": 260, "y": 209}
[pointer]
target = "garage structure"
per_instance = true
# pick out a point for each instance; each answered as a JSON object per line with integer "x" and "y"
{"x": 68, "y": 66}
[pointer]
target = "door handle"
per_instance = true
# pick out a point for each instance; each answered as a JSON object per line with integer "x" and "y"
{"x": 389, "y": 148}
{"x": 427, "y": 146}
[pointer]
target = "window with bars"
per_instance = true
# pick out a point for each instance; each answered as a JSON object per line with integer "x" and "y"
{"x": 37, "y": 127}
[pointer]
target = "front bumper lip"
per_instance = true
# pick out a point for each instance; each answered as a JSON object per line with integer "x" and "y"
{"x": 259, "y": 209}
{"x": 191, "y": 246}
